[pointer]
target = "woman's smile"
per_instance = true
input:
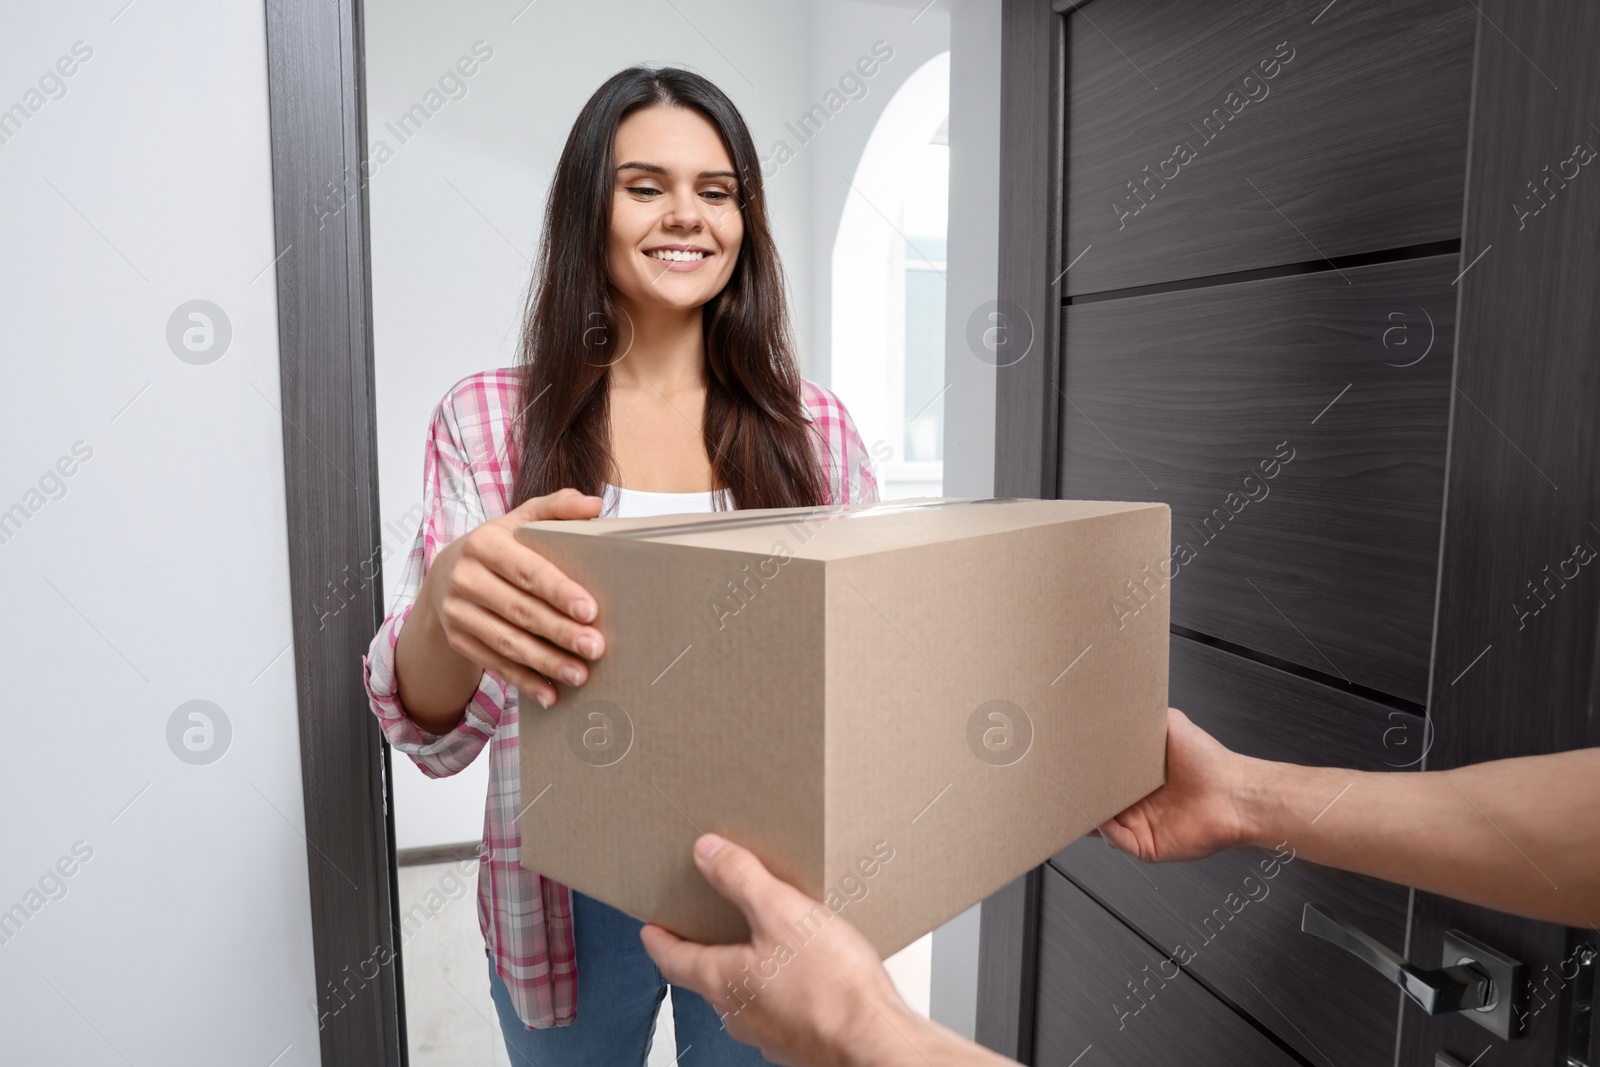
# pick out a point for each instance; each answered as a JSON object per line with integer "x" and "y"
{"x": 679, "y": 257}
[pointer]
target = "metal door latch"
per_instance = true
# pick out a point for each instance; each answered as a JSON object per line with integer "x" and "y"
{"x": 1480, "y": 982}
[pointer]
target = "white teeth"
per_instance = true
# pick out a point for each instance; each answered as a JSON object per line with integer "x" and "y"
{"x": 680, "y": 257}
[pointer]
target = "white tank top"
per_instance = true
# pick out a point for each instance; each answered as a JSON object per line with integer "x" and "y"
{"x": 635, "y": 503}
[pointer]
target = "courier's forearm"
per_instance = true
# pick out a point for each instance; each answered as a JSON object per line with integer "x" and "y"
{"x": 898, "y": 1037}
{"x": 1518, "y": 835}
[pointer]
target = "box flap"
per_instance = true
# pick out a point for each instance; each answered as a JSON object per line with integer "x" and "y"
{"x": 842, "y": 531}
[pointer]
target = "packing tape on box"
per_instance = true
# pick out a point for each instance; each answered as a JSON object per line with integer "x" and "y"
{"x": 827, "y": 512}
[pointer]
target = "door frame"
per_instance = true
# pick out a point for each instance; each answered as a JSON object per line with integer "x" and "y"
{"x": 1027, "y": 417}
{"x": 317, "y": 118}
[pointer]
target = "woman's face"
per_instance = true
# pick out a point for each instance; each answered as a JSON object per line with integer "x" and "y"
{"x": 675, "y": 188}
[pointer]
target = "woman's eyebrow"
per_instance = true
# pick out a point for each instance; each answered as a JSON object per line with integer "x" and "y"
{"x": 655, "y": 168}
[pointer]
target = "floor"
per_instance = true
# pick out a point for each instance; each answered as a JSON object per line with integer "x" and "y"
{"x": 450, "y": 1019}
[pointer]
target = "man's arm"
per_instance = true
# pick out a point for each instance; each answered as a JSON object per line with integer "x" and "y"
{"x": 1518, "y": 835}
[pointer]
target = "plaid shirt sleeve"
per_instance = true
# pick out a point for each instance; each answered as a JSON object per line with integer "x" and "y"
{"x": 451, "y": 507}
{"x": 851, "y": 477}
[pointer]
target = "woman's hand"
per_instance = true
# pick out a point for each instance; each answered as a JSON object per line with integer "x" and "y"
{"x": 489, "y": 602}
{"x": 1199, "y": 811}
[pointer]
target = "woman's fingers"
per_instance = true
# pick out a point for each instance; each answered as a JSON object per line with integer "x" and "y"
{"x": 521, "y": 677}
{"x": 510, "y": 642}
{"x": 561, "y": 504}
{"x": 489, "y": 590}
{"x": 526, "y": 569}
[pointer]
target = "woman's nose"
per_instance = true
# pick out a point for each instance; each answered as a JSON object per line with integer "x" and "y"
{"x": 684, "y": 216}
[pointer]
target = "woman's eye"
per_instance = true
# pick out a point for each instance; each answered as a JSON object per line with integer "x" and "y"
{"x": 716, "y": 196}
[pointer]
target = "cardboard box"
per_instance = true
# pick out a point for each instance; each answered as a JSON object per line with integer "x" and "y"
{"x": 900, "y": 707}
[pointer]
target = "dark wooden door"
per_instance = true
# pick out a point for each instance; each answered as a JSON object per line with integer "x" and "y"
{"x": 1281, "y": 266}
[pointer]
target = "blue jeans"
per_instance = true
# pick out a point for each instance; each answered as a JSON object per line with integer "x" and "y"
{"x": 620, "y": 989}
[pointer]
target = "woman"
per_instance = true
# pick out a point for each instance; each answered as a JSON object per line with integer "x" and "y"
{"x": 657, "y": 375}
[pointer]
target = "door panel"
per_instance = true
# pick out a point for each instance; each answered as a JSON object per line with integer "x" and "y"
{"x": 1233, "y": 920}
{"x": 1357, "y": 143}
{"x": 1100, "y": 985}
{"x": 1197, "y": 398}
{"x": 1181, "y": 344}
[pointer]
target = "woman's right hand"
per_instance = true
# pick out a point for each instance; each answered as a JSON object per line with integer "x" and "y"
{"x": 501, "y": 606}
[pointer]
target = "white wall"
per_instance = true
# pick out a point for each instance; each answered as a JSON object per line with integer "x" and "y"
{"x": 157, "y": 572}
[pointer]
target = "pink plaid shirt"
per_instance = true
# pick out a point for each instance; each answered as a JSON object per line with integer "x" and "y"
{"x": 467, "y": 479}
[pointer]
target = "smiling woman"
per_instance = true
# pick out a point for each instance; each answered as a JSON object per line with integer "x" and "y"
{"x": 658, "y": 369}
{"x": 662, "y": 160}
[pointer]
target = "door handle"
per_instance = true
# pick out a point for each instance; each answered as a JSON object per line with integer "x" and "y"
{"x": 1436, "y": 992}
{"x": 1480, "y": 982}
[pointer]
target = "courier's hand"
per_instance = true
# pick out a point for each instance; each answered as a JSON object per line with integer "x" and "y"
{"x": 508, "y": 609}
{"x": 1197, "y": 812}
{"x": 823, "y": 1001}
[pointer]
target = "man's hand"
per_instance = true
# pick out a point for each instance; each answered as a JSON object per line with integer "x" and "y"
{"x": 1518, "y": 835}
{"x": 824, "y": 1000}
{"x": 1200, "y": 809}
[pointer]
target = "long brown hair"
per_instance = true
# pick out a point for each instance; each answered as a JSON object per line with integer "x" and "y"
{"x": 760, "y": 445}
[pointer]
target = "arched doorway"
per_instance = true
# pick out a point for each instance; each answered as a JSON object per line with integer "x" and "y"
{"x": 889, "y": 285}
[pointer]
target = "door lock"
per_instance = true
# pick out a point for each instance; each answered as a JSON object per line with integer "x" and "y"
{"x": 1479, "y": 982}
